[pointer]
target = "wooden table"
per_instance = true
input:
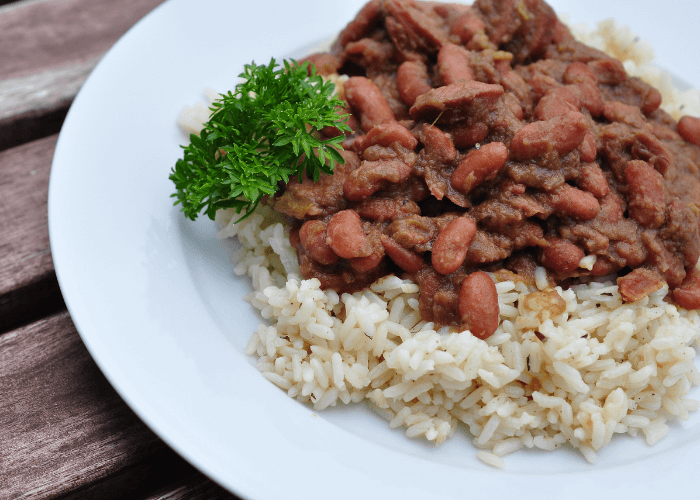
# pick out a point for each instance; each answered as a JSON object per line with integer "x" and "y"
{"x": 64, "y": 431}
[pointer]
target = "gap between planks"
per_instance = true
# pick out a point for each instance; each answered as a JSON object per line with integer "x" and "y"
{"x": 67, "y": 434}
{"x": 48, "y": 48}
{"x": 28, "y": 285}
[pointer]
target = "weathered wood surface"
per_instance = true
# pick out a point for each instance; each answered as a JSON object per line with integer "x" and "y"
{"x": 28, "y": 286}
{"x": 64, "y": 431}
{"x": 47, "y": 50}
{"x": 63, "y": 427}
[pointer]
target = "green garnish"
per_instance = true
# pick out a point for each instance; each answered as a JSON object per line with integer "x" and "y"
{"x": 257, "y": 136}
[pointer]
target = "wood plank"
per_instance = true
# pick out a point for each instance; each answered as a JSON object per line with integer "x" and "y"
{"x": 48, "y": 48}
{"x": 192, "y": 488}
{"x": 35, "y": 106}
{"x": 65, "y": 432}
{"x": 28, "y": 285}
{"x": 39, "y": 35}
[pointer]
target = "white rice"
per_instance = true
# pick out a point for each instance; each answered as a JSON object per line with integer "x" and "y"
{"x": 545, "y": 378}
{"x": 602, "y": 367}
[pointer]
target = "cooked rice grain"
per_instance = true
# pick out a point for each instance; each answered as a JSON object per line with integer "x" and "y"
{"x": 602, "y": 367}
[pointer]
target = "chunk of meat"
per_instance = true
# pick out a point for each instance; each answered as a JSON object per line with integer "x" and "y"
{"x": 639, "y": 283}
{"x": 452, "y": 103}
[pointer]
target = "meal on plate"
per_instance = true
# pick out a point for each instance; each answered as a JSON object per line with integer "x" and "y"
{"x": 463, "y": 214}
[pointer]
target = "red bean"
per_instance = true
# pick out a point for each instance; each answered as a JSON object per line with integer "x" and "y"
{"x": 405, "y": 259}
{"x": 335, "y": 131}
{"x": 603, "y": 267}
{"x": 560, "y": 255}
{"x": 647, "y": 197}
{"x": 385, "y": 134}
{"x": 366, "y": 99}
{"x": 312, "y": 237}
{"x": 478, "y": 166}
{"x": 438, "y": 144}
{"x": 412, "y": 81}
{"x": 467, "y": 136}
{"x": 652, "y": 101}
{"x": 346, "y": 236}
{"x": 608, "y": 71}
{"x": 558, "y": 101}
{"x": 615, "y": 111}
{"x": 324, "y": 62}
{"x": 654, "y": 152}
{"x": 575, "y": 203}
{"x": 452, "y": 64}
{"x": 561, "y": 134}
{"x": 541, "y": 84}
{"x": 362, "y": 24}
{"x": 466, "y": 26}
{"x": 588, "y": 149}
{"x": 582, "y": 76}
{"x": 451, "y": 245}
{"x": 689, "y": 129}
{"x": 688, "y": 294}
{"x": 366, "y": 264}
{"x": 513, "y": 104}
{"x": 578, "y": 72}
{"x": 612, "y": 207}
{"x": 478, "y": 304}
{"x": 593, "y": 180}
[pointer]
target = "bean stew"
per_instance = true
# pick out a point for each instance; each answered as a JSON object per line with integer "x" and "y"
{"x": 486, "y": 139}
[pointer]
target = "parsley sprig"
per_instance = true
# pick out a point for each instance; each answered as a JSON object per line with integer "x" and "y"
{"x": 258, "y": 135}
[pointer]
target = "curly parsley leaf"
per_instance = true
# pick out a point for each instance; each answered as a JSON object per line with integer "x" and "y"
{"x": 257, "y": 136}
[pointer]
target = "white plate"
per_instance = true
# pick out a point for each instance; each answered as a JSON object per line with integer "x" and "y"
{"x": 158, "y": 306}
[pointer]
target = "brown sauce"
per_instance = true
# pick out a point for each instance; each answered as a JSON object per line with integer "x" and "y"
{"x": 499, "y": 116}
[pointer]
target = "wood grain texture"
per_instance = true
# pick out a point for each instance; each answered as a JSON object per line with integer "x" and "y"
{"x": 39, "y": 35}
{"x": 35, "y": 106}
{"x": 65, "y": 433}
{"x": 192, "y": 488}
{"x": 28, "y": 285}
{"x": 47, "y": 50}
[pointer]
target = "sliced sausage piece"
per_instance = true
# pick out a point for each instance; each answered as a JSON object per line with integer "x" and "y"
{"x": 452, "y": 103}
{"x": 372, "y": 175}
{"x": 638, "y": 284}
